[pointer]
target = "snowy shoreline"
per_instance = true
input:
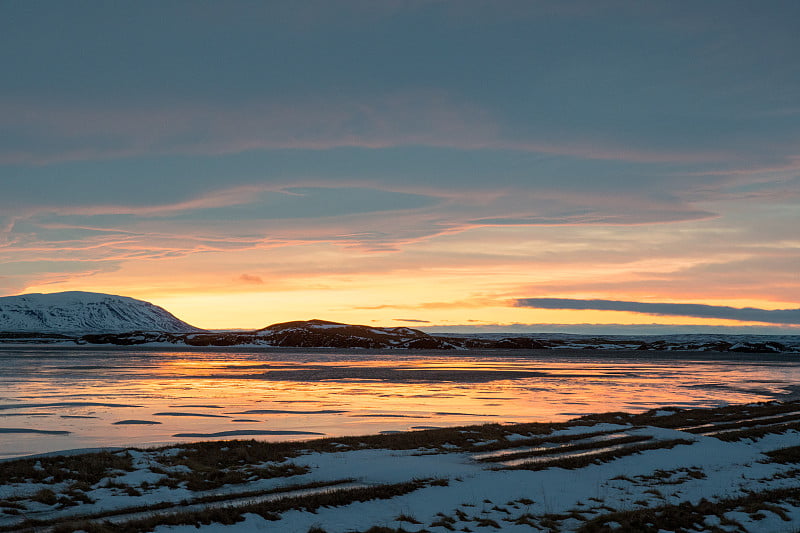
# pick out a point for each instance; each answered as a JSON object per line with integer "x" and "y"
{"x": 733, "y": 468}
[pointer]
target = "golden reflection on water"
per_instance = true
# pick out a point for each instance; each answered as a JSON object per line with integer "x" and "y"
{"x": 170, "y": 393}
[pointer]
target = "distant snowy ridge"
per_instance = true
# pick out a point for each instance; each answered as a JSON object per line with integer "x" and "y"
{"x": 323, "y": 334}
{"x": 91, "y": 318}
{"x": 85, "y": 312}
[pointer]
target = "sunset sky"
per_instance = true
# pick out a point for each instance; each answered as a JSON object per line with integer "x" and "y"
{"x": 496, "y": 165}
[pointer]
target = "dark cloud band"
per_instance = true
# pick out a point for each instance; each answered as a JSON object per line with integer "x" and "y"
{"x": 746, "y": 314}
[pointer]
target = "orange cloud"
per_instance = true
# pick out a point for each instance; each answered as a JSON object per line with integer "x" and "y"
{"x": 249, "y": 278}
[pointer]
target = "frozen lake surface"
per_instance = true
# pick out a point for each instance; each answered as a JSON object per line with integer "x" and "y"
{"x": 69, "y": 398}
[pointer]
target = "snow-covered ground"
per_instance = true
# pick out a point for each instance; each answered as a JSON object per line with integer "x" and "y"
{"x": 727, "y": 469}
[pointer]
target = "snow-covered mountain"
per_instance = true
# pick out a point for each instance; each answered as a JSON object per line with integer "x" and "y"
{"x": 85, "y": 312}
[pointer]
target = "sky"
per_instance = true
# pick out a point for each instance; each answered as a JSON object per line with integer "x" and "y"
{"x": 454, "y": 165}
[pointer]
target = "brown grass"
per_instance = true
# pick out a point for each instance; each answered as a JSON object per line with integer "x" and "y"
{"x": 172, "y": 505}
{"x": 694, "y": 417}
{"x": 571, "y": 463}
{"x": 504, "y": 444}
{"x": 209, "y": 478}
{"x": 88, "y": 468}
{"x": 669, "y": 477}
{"x": 757, "y": 432}
{"x": 686, "y": 516}
{"x": 566, "y": 449}
{"x": 230, "y": 515}
{"x": 745, "y": 424}
{"x": 785, "y": 455}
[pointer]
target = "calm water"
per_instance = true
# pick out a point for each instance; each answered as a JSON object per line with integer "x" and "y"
{"x": 160, "y": 396}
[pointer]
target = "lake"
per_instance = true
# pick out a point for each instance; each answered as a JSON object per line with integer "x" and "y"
{"x": 55, "y": 398}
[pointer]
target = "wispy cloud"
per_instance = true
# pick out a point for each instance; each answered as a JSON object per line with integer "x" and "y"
{"x": 250, "y": 278}
{"x": 746, "y": 314}
{"x": 632, "y": 218}
{"x": 434, "y": 118}
{"x": 477, "y": 152}
{"x": 615, "y": 329}
{"x": 65, "y": 132}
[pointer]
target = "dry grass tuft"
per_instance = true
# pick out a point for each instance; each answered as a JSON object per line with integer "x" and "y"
{"x": 88, "y": 468}
{"x": 572, "y": 463}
